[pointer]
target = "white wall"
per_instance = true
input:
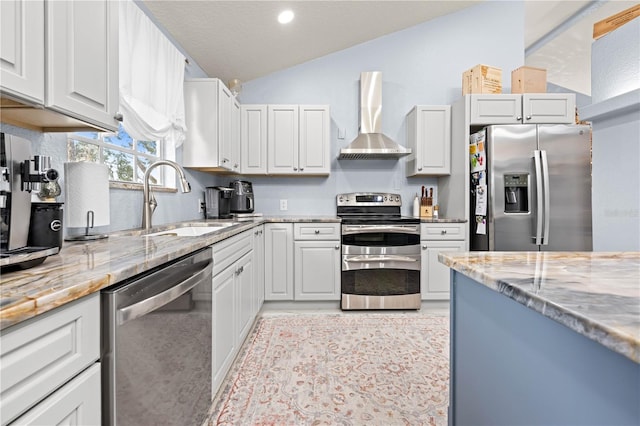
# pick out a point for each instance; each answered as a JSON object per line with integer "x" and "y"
{"x": 616, "y": 139}
{"x": 420, "y": 65}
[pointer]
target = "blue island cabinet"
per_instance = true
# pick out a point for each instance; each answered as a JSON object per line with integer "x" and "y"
{"x": 511, "y": 365}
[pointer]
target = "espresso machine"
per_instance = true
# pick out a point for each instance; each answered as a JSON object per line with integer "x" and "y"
{"x": 20, "y": 176}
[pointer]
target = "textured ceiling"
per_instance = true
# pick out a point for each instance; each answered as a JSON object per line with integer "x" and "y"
{"x": 242, "y": 39}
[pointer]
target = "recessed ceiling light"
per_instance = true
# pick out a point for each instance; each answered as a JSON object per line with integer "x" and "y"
{"x": 285, "y": 17}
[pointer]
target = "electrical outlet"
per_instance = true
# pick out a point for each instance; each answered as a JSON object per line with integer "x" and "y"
{"x": 283, "y": 204}
{"x": 200, "y": 205}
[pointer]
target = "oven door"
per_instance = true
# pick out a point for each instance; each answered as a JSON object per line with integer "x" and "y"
{"x": 381, "y": 267}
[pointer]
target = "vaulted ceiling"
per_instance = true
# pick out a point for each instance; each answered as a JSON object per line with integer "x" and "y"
{"x": 242, "y": 39}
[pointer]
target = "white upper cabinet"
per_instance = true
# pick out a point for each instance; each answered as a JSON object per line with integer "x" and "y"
{"x": 429, "y": 137}
{"x": 282, "y": 152}
{"x": 212, "y": 139}
{"x": 62, "y": 55}
{"x": 253, "y": 139}
{"x": 82, "y": 60}
{"x": 528, "y": 108}
{"x": 315, "y": 138}
{"x": 298, "y": 139}
{"x": 22, "y": 49}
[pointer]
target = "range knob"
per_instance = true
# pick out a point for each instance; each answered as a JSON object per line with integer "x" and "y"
{"x": 397, "y": 198}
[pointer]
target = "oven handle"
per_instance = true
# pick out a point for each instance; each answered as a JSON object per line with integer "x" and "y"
{"x": 196, "y": 271}
{"x": 403, "y": 229}
{"x": 391, "y": 258}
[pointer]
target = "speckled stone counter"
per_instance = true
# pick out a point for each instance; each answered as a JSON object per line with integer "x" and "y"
{"x": 594, "y": 294}
{"x": 441, "y": 220}
{"x": 84, "y": 268}
{"x": 544, "y": 338}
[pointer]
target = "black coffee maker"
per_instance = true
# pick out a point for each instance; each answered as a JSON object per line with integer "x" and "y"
{"x": 218, "y": 202}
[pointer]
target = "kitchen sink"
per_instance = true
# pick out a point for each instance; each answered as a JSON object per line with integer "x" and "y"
{"x": 191, "y": 231}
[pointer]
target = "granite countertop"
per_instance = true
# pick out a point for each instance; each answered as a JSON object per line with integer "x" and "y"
{"x": 597, "y": 294}
{"x": 82, "y": 268}
{"x": 441, "y": 220}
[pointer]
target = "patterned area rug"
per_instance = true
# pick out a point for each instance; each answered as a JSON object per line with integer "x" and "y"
{"x": 340, "y": 369}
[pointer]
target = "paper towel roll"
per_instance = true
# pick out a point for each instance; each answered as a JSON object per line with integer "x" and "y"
{"x": 86, "y": 188}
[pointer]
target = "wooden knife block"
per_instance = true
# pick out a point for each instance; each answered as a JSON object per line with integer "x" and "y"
{"x": 426, "y": 207}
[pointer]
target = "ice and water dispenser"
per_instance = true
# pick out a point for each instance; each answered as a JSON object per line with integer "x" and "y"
{"x": 516, "y": 193}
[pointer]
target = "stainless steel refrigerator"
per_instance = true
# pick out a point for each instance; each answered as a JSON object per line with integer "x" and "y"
{"x": 531, "y": 188}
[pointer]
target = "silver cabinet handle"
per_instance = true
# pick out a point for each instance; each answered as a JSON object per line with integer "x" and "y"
{"x": 317, "y": 231}
{"x": 424, "y": 247}
{"x": 295, "y": 169}
{"x": 239, "y": 270}
{"x": 519, "y": 118}
{"x": 138, "y": 309}
{"x": 419, "y": 169}
{"x": 337, "y": 247}
{"x": 301, "y": 169}
{"x": 443, "y": 232}
{"x": 235, "y": 166}
{"x": 118, "y": 117}
{"x": 528, "y": 117}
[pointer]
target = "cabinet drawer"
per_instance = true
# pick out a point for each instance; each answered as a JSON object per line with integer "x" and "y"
{"x": 442, "y": 231}
{"x": 77, "y": 402}
{"x": 228, "y": 251}
{"x": 316, "y": 231}
{"x": 41, "y": 354}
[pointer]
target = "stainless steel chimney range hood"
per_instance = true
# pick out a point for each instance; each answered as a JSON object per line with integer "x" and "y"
{"x": 371, "y": 143}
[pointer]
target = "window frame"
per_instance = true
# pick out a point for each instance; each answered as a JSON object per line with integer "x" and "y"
{"x": 165, "y": 175}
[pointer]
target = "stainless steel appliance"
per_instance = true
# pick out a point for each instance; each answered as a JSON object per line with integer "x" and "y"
{"x": 156, "y": 345}
{"x": 380, "y": 253}
{"x": 17, "y": 180}
{"x": 531, "y": 188}
{"x": 218, "y": 202}
{"x": 371, "y": 143}
{"x": 242, "y": 198}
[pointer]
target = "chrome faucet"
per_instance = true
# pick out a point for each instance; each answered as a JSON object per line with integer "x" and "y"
{"x": 150, "y": 202}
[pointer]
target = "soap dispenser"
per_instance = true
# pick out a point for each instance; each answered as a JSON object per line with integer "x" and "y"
{"x": 416, "y": 206}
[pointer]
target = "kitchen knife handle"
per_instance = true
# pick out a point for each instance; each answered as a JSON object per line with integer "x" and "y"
{"x": 546, "y": 190}
{"x": 539, "y": 194}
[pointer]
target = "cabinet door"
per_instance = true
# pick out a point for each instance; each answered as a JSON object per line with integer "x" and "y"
{"x": 315, "y": 139}
{"x": 201, "y": 108}
{"x": 244, "y": 295}
{"x": 282, "y": 128}
{"x": 253, "y": 139}
{"x": 434, "y": 277}
{"x": 224, "y": 324}
{"x": 496, "y": 109}
{"x": 75, "y": 403}
{"x": 549, "y": 108}
{"x": 258, "y": 260}
{"x": 278, "y": 259}
{"x": 430, "y": 137}
{"x": 317, "y": 270}
{"x": 225, "y": 138}
{"x": 39, "y": 355}
{"x": 22, "y": 49}
{"x": 82, "y": 60}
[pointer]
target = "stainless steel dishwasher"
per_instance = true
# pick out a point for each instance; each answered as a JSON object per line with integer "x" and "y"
{"x": 156, "y": 345}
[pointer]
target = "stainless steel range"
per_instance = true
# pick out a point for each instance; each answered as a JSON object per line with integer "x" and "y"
{"x": 380, "y": 253}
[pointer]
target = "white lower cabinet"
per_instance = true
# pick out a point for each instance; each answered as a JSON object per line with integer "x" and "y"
{"x": 316, "y": 261}
{"x": 43, "y": 356}
{"x": 437, "y": 238}
{"x": 302, "y": 261}
{"x": 75, "y": 403}
{"x": 278, "y": 261}
{"x": 233, "y": 301}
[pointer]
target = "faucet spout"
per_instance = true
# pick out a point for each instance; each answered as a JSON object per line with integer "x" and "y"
{"x": 149, "y": 202}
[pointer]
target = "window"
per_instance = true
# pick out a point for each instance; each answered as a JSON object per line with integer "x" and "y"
{"x": 126, "y": 157}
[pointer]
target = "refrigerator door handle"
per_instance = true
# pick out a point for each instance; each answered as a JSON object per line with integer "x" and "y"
{"x": 546, "y": 190}
{"x": 537, "y": 239}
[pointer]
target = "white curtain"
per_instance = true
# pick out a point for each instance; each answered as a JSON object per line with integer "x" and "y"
{"x": 151, "y": 80}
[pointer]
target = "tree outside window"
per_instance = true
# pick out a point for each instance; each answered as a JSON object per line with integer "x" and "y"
{"x": 126, "y": 157}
